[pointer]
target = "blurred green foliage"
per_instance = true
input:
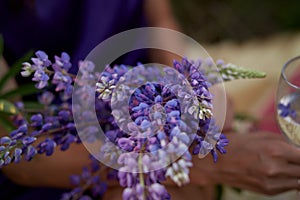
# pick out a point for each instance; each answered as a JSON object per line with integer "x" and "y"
{"x": 215, "y": 20}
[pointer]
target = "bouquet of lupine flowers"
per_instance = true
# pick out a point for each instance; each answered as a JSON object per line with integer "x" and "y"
{"x": 140, "y": 121}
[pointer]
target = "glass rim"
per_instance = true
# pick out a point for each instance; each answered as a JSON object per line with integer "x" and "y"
{"x": 284, "y": 75}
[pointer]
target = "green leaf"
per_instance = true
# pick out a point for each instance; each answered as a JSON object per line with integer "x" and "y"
{"x": 33, "y": 105}
{"x": 7, "y": 107}
{"x": 22, "y": 90}
{"x": 15, "y": 69}
{"x": 6, "y": 124}
{"x": 1, "y": 45}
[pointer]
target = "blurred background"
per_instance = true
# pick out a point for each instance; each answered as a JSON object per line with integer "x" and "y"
{"x": 214, "y": 20}
{"x": 256, "y": 34}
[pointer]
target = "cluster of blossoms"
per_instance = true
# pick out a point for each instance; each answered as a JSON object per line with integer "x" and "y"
{"x": 149, "y": 117}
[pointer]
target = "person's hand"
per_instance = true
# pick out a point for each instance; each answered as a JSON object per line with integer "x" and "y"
{"x": 261, "y": 162}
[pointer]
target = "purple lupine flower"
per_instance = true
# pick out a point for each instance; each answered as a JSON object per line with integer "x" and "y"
{"x": 27, "y": 140}
{"x": 20, "y": 132}
{"x": 42, "y": 57}
{"x": 75, "y": 180}
{"x": 196, "y": 149}
{"x": 62, "y": 63}
{"x": 36, "y": 120}
{"x": 46, "y": 98}
{"x": 19, "y": 105}
{"x": 209, "y": 61}
{"x": 30, "y": 153}
{"x": 61, "y": 81}
{"x": 7, "y": 160}
{"x": 67, "y": 140}
{"x": 86, "y": 67}
{"x": 158, "y": 191}
{"x": 220, "y": 62}
{"x": 47, "y": 146}
{"x": 126, "y": 144}
{"x": 128, "y": 194}
{"x": 286, "y": 110}
{"x": 65, "y": 115}
{"x": 42, "y": 78}
{"x": 222, "y": 142}
{"x": 5, "y": 140}
{"x": 214, "y": 155}
{"x": 157, "y": 126}
{"x": 17, "y": 155}
{"x": 99, "y": 187}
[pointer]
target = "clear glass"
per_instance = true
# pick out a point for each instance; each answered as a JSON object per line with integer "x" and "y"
{"x": 288, "y": 101}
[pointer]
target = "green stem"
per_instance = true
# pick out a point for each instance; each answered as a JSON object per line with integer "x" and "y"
{"x": 141, "y": 174}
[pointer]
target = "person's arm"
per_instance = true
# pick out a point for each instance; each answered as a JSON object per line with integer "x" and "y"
{"x": 159, "y": 14}
{"x": 49, "y": 171}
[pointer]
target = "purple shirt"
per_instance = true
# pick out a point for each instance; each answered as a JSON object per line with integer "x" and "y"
{"x": 55, "y": 25}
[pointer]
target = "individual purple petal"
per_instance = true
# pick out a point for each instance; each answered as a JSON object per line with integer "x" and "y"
{"x": 47, "y": 126}
{"x": 19, "y": 105}
{"x": 196, "y": 149}
{"x": 139, "y": 189}
{"x": 50, "y": 147}
{"x": 220, "y": 62}
{"x": 62, "y": 62}
{"x": 17, "y": 155}
{"x": 27, "y": 140}
{"x": 157, "y": 190}
{"x": 43, "y": 57}
{"x": 36, "y": 120}
{"x": 46, "y": 98}
{"x": 215, "y": 155}
{"x": 86, "y": 66}
{"x": 85, "y": 173}
{"x": 23, "y": 128}
{"x": 30, "y": 153}
{"x": 69, "y": 138}
{"x": 19, "y": 133}
{"x": 65, "y": 115}
{"x": 5, "y": 140}
{"x": 47, "y": 146}
{"x": 128, "y": 194}
{"x": 75, "y": 180}
{"x": 126, "y": 144}
{"x": 42, "y": 78}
